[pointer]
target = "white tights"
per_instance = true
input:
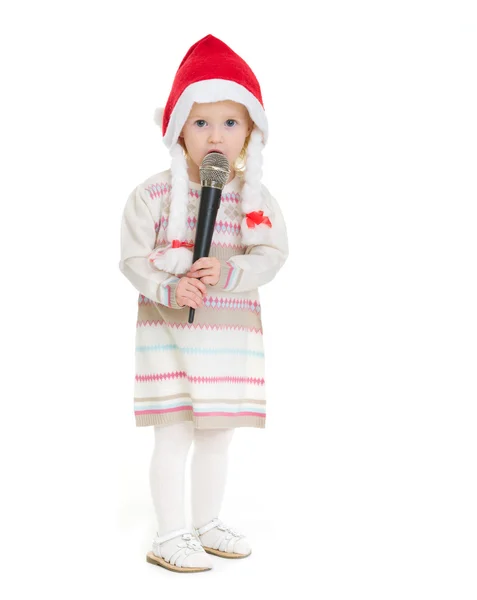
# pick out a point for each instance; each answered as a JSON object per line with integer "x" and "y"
{"x": 208, "y": 473}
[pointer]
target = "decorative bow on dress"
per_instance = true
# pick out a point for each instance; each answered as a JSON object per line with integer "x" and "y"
{"x": 178, "y": 244}
{"x": 256, "y": 218}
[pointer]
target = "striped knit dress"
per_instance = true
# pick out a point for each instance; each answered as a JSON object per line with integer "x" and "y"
{"x": 210, "y": 372}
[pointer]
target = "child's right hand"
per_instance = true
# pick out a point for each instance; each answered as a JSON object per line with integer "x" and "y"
{"x": 190, "y": 292}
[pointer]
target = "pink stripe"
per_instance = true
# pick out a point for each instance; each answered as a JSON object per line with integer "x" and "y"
{"x": 162, "y": 410}
{"x": 231, "y": 378}
{"x": 168, "y": 295}
{"x": 229, "y": 274}
{"x": 161, "y": 376}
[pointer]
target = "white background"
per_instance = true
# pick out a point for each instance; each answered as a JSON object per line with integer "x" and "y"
{"x": 363, "y": 483}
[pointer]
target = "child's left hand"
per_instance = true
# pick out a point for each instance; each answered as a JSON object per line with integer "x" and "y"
{"x": 207, "y": 269}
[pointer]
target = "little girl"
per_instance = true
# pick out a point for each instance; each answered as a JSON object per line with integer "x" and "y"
{"x": 198, "y": 382}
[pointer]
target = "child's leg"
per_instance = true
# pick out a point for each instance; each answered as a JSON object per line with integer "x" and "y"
{"x": 208, "y": 473}
{"x": 167, "y": 472}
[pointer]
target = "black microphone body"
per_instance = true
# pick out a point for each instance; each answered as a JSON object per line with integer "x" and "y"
{"x": 214, "y": 172}
{"x": 209, "y": 206}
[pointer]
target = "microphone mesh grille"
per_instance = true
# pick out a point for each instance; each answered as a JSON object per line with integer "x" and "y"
{"x": 215, "y": 167}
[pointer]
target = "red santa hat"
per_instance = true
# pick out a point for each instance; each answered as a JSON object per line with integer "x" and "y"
{"x": 211, "y": 72}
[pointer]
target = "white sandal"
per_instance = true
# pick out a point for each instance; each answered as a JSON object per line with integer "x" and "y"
{"x": 221, "y": 540}
{"x": 186, "y": 556}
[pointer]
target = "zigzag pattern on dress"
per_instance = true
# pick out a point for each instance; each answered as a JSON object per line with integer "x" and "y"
{"x": 191, "y": 223}
{"x": 164, "y": 242}
{"x": 228, "y": 227}
{"x": 219, "y": 303}
{"x": 225, "y": 245}
{"x": 161, "y": 376}
{"x": 231, "y": 197}
{"x": 161, "y": 322}
{"x": 231, "y": 303}
{"x": 199, "y": 379}
{"x": 228, "y": 197}
{"x": 156, "y": 190}
{"x": 220, "y": 226}
{"x": 228, "y": 379}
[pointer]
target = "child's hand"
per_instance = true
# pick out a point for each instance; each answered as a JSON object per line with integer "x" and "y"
{"x": 207, "y": 269}
{"x": 190, "y": 292}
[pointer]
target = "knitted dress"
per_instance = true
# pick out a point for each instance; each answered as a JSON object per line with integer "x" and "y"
{"x": 210, "y": 372}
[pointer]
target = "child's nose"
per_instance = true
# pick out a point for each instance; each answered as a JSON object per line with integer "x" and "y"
{"x": 215, "y": 135}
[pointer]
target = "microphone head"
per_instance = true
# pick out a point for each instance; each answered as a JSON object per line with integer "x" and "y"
{"x": 214, "y": 170}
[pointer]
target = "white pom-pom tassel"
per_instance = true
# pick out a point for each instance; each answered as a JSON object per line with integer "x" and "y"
{"x": 252, "y": 193}
{"x": 260, "y": 234}
{"x": 174, "y": 260}
{"x": 177, "y": 227}
{"x": 158, "y": 115}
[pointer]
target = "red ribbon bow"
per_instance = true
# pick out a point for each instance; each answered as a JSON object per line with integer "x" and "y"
{"x": 178, "y": 244}
{"x": 256, "y": 218}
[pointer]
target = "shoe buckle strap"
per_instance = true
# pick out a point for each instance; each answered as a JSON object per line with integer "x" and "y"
{"x": 220, "y": 525}
{"x": 168, "y": 536}
{"x": 208, "y": 526}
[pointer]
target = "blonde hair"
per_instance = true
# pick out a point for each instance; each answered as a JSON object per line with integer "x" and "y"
{"x": 240, "y": 163}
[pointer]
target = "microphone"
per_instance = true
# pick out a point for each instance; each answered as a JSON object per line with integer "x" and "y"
{"x": 214, "y": 172}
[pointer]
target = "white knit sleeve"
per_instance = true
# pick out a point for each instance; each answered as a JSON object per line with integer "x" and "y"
{"x": 138, "y": 237}
{"x": 261, "y": 262}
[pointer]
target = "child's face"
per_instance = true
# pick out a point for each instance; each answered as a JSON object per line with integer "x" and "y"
{"x": 221, "y": 126}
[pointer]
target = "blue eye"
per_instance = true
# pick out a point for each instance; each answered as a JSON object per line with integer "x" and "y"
{"x": 229, "y": 123}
